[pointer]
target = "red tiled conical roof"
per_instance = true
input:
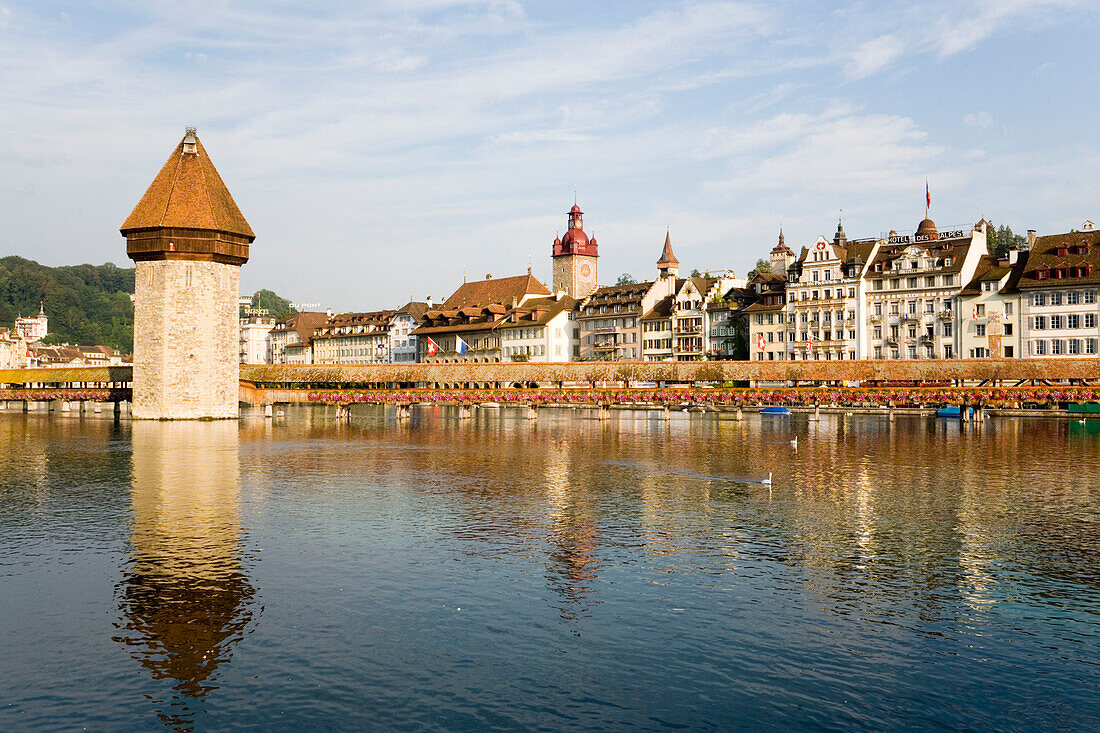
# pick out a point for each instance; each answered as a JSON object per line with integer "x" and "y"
{"x": 188, "y": 193}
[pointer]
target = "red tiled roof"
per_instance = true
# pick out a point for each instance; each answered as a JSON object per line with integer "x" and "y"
{"x": 480, "y": 293}
{"x": 188, "y": 193}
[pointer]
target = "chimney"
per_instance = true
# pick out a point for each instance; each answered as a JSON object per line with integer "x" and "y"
{"x": 1030, "y": 238}
{"x": 488, "y": 276}
{"x": 428, "y": 302}
{"x": 328, "y": 312}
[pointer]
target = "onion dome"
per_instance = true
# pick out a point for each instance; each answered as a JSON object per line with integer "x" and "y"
{"x": 840, "y": 238}
{"x": 575, "y": 237}
{"x": 927, "y": 228}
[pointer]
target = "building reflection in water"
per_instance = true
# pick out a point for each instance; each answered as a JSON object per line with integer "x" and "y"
{"x": 185, "y": 598}
{"x": 573, "y": 539}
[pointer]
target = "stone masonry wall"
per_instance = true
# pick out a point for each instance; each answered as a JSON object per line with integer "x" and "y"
{"x": 186, "y": 340}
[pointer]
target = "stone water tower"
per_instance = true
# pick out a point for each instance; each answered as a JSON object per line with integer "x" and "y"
{"x": 188, "y": 240}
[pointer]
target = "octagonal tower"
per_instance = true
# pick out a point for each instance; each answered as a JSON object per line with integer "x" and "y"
{"x": 188, "y": 240}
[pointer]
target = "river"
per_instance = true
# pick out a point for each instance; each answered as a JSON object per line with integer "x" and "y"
{"x": 562, "y": 573}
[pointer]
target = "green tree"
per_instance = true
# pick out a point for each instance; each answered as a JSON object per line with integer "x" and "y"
{"x": 999, "y": 239}
{"x": 762, "y": 265}
{"x": 695, "y": 272}
{"x": 626, "y": 279}
{"x": 276, "y": 306}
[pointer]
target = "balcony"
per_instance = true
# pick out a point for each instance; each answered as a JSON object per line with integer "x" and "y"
{"x": 946, "y": 315}
{"x": 875, "y": 319}
{"x": 605, "y": 346}
{"x": 689, "y": 329}
{"x": 605, "y": 329}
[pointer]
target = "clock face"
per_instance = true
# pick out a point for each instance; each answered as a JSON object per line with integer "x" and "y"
{"x": 586, "y": 270}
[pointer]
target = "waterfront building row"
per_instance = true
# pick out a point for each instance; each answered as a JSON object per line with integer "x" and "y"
{"x": 927, "y": 295}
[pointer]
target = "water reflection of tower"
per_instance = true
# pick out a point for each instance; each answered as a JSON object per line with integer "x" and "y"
{"x": 184, "y": 597}
{"x": 573, "y": 539}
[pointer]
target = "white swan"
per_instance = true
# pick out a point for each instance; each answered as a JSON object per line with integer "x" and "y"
{"x": 794, "y": 442}
{"x": 768, "y": 480}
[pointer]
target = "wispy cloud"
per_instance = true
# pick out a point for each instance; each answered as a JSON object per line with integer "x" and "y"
{"x": 451, "y": 133}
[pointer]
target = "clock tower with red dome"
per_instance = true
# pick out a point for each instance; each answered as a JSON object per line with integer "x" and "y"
{"x": 574, "y": 258}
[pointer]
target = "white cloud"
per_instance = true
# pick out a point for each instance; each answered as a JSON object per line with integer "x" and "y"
{"x": 982, "y": 120}
{"x": 875, "y": 55}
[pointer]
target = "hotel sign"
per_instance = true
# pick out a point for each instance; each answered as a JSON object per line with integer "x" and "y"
{"x": 906, "y": 239}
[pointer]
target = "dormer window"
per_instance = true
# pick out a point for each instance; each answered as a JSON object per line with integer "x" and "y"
{"x": 1042, "y": 274}
{"x": 1082, "y": 249}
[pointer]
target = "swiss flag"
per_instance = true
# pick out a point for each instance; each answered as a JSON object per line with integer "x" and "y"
{"x": 433, "y": 347}
{"x": 974, "y": 313}
{"x": 760, "y": 342}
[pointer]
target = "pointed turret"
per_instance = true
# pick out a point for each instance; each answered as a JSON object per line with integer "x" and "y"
{"x": 668, "y": 265}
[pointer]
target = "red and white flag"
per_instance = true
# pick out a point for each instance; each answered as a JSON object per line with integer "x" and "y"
{"x": 760, "y": 342}
{"x": 927, "y": 194}
{"x": 974, "y": 313}
{"x": 809, "y": 340}
{"x": 432, "y": 348}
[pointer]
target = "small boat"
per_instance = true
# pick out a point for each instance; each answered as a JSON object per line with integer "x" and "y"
{"x": 949, "y": 411}
{"x": 774, "y": 411}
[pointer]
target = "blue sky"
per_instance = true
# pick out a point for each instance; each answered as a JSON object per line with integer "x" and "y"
{"x": 382, "y": 149}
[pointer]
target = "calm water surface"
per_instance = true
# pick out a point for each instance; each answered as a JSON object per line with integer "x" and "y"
{"x": 559, "y": 574}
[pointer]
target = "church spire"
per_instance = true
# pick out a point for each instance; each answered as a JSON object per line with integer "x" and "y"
{"x": 668, "y": 265}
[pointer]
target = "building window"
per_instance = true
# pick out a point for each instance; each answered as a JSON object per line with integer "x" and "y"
{"x": 1056, "y": 347}
{"x": 1039, "y": 323}
{"x": 1073, "y": 321}
{"x": 1090, "y": 346}
{"x": 1055, "y": 298}
{"x": 1039, "y": 348}
{"x": 1055, "y": 321}
{"x": 947, "y": 328}
{"x": 980, "y": 329}
{"x": 1090, "y": 320}
{"x": 1008, "y": 329}
{"x": 1074, "y": 346}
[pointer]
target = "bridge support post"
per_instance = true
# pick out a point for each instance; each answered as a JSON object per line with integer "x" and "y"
{"x": 403, "y": 412}
{"x": 118, "y": 407}
{"x": 890, "y": 412}
{"x": 666, "y": 413}
{"x": 817, "y": 412}
{"x": 464, "y": 412}
{"x": 979, "y": 412}
{"x": 97, "y": 407}
{"x": 65, "y": 407}
{"x": 268, "y": 411}
{"x": 603, "y": 412}
{"x": 739, "y": 415}
{"x": 26, "y": 406}
{"x": 964, "y": 412}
